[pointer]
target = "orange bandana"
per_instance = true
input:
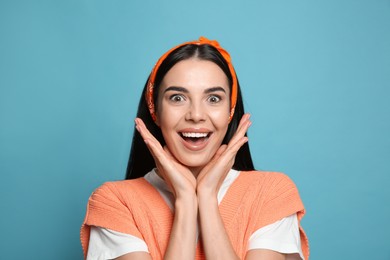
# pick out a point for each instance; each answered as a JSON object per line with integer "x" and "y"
{"x": 201, "y": 41}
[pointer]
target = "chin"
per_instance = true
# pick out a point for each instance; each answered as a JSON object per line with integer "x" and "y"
{"x": 194, "y": 161}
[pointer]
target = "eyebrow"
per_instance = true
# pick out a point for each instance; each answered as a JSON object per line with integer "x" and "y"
{"x": 214, "y": 89}
{"x": 184, "y": 90}
{"x": 179, "y": 89}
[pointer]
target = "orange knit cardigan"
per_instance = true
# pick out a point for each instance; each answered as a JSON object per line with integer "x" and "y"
{"x": 135, "y": 207}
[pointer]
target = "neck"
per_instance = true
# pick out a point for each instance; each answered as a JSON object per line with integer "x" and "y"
{"x": 195, "y": 170}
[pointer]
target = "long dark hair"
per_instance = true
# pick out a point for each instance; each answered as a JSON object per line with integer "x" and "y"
{"x": 140, "y": 159}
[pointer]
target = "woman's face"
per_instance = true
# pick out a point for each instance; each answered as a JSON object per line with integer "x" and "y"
{"x": 193, "y": 108}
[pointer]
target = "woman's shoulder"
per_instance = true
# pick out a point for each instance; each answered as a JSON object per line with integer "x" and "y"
{"x": 273, "y": 182}
{"x": 120, "y": 187}
{"x": 265, "y": 175}
{"x": 276, "y": 188}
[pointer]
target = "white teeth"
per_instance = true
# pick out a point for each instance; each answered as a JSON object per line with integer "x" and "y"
{"x": 196, "y": 135}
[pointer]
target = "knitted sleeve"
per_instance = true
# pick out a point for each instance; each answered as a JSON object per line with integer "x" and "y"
{"x": 107, "y": 208}
{"x": 282, "y": 199}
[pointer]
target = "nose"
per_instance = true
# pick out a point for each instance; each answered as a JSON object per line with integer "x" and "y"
{"x": 196, "y": 112}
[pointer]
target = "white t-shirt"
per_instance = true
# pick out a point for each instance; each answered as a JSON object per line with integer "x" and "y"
{"x": 281, "y": 236}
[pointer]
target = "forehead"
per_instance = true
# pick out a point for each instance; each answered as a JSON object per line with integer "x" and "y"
{"x": 195, "y": 74}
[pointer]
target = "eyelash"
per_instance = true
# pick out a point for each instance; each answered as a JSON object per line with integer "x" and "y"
{"x": 219, "y": 98}
{"x": 174, "y": 98}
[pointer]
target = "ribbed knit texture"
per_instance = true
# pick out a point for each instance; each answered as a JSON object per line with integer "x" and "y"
{"x": 135, "y": 207}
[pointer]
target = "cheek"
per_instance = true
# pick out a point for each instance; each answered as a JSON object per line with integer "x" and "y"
{"x": 220, "y": 118}
{"x": 169, "y": 117}
{"x": 168, "y": 120}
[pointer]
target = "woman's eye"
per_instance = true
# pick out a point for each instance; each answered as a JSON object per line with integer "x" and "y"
{"x": 214, "y": 99}
{"x": 176, "y": 98}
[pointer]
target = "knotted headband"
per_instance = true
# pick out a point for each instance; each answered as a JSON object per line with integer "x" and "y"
{"x": 201, "y": 41}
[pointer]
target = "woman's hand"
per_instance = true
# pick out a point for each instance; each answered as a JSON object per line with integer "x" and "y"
{"x": 177, "y": 176}
{"x": 215, "y": 240}
{"x": 213, "y": 174}
{"x": 182, "y": 240}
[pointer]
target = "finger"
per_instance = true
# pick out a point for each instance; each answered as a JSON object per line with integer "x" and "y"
{"x": 179, "y": 166}
{"x": 169, "y": 154}
{"x": 235, "y": 147}
{"x": 243, "y": 127}
{"x": 154, "y": 146}
{"x": 218, "y": 167}
{"x": 173, "y": 158}
{"x": 243, "y": 119}
{"x": 146, "y": 135}
{"x": 231, "y": 151}
{"x": 162, "y": 159}
{"x": 156, "y": 151}
{"x": 244, "y": 124}
{"x": 226, "y": 153}
{"x": 221, "y": 149}
{"x": 219, "y": 152}
{"x": 143, "y": 130}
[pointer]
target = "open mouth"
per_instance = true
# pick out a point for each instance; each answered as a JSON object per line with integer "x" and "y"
{"x": 195, "y": 138}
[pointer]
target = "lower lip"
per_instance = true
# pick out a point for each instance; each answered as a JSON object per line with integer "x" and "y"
{"x": 195, "y": 147}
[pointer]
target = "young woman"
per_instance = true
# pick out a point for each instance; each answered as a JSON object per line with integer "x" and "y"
{"x": 191, "y": 190}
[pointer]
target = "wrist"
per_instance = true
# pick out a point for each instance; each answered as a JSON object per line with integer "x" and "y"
{"x": 207, "y": 199}
{"x": 206, "y": 193}
{"x": 186, "y": 201}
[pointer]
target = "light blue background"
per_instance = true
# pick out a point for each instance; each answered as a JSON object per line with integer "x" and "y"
{"x": 315, "y": 76}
